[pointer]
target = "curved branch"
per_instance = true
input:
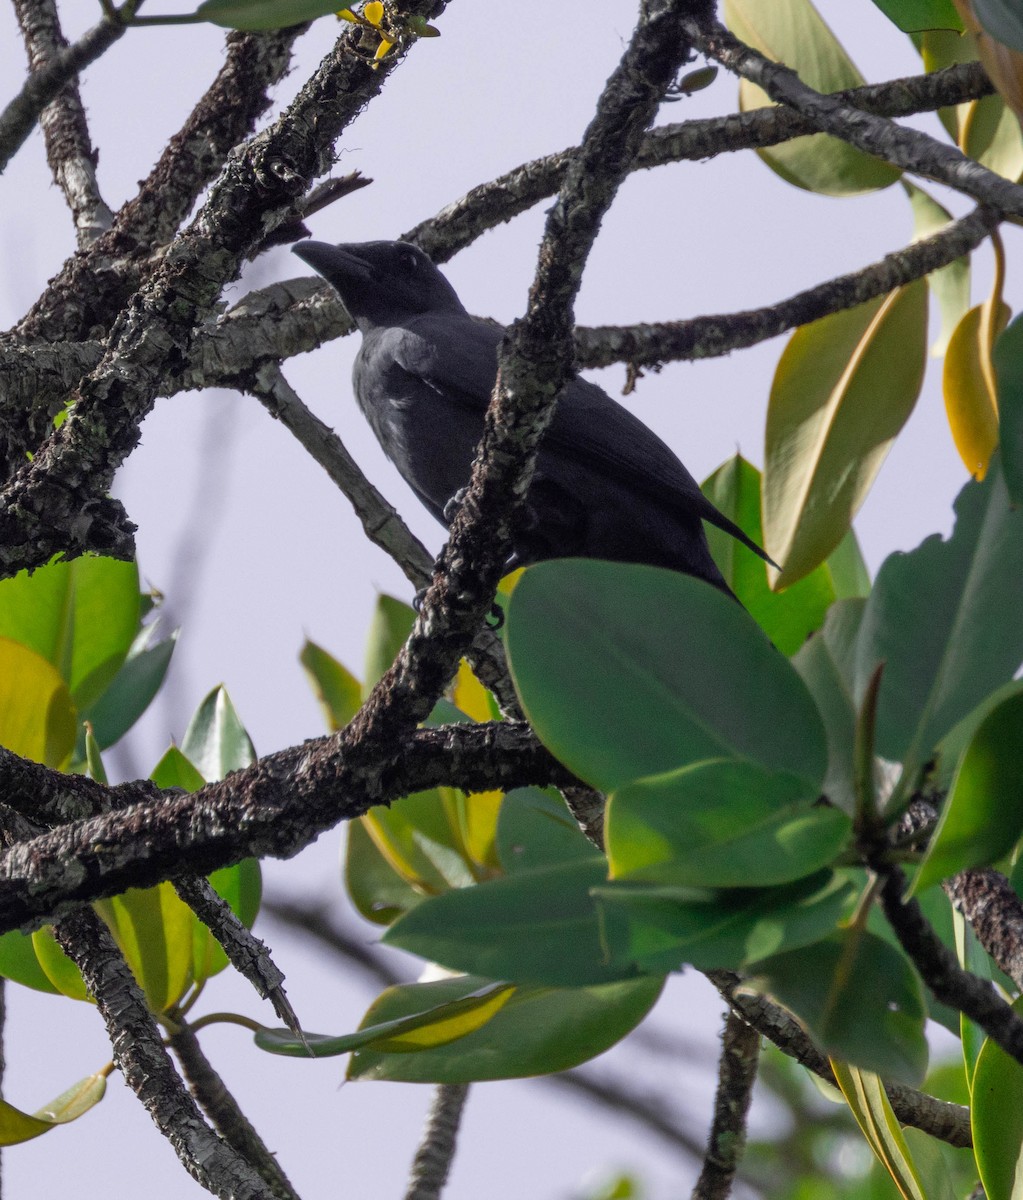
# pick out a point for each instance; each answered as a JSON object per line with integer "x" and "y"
{"x": 432, "y": 1162}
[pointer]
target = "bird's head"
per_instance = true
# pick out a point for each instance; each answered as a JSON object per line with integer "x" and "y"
{"x": 381, "y": 283}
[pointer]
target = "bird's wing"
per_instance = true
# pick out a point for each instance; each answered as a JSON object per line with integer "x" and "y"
{"x": 458, "y": 359}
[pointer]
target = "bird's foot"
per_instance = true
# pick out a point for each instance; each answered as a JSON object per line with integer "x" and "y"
{"x": 454, "y": 504}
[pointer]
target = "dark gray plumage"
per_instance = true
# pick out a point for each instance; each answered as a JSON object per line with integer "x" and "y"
{"x": 605, "y": 485}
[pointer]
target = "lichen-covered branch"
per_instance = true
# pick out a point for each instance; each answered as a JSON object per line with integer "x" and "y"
{"x": 435, "y": 1153}
{"x": 737, "y": 1072}
{"x": 988, "y": 901}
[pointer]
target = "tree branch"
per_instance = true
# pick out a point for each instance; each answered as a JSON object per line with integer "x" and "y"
{"x": 273, "y": 808}
{"x": 737, "y": 1072}
{"x": 68, "y": 145}
{"x": 43, "y": 86}
{"x": 987, "y": 900}
{"x": 228, "y": 1119}
{"x": 432, "y": 1162}
{"x": 905, "y": 148}
{"x": 145, "y": 1064}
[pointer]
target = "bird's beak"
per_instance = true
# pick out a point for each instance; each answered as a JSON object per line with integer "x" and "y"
{"x": 337, "y": 264}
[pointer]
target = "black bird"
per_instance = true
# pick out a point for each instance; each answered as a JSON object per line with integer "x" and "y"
{"x": 605, "y": 485}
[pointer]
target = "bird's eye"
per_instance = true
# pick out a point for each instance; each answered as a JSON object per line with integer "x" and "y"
{"x": 409, "y": 261}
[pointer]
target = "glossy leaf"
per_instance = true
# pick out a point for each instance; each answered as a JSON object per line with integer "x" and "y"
{"x": 443, "y": 1020}
{"x": 844, "y": 387}
{"x": 17, "y": 1126}
{"x": 912, "y": 16}
{"x": 657, "y": 928}
{"x": 865, "y": 1094}
{"x": 80, "y": 616}
{"x": 536, "y": 829}
{"x": 18, "y": 962}
{"x": 788, "y": 617}
{"x": 132, "y": 689}
{"x": 175, "y": 771}
{"x": 792, "y": 32}
{"x": 537, "y": 1032}
{"x": 982, "y": 818}
{"x": 968, "y": 383}
{"x": 950, "y": 285}
{"x": 37, "y": 717}
{"x": 392, "y": 623}
{"x": 536, "y": 926}
{"x": 721, "y": 824}
{"x": 471, "y": 697}
{"x": 860, "y": 999}
{"x": 415, "y": 837}
{"x": 378, "y": 892}
{"x": 153, "y": 930}
{"x": 629, "y": 671}
{"x": 215, "y": 740}
{"x": 59, "y": 969}
{"x": 946, "y": 622}
{"x": 337, "y": 689}
{"x": 996, "y": 1117}
{"x": 1008, "y": 360}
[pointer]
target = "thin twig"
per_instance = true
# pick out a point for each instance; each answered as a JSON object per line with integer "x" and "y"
{"x": 249, "y": 956}
{"x": 68, "y": 145}
{"x": 147, "y": 1068}
{"x": 221, "y": 1107}
{"x": 43, "y": 86}
{"x": 432, "y": 1162}
{"x": 737, "y": 1072}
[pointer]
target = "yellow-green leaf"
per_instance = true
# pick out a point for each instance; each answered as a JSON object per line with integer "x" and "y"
{"x": 153, "y": 930}
{"x": 792, "y": 32}
{"x": 864, "y": 1093}
{"x": 17, "y": 1126}
{"x": 844, "y": 387}
{"x": 971, "y": 401}
{"x": 37, "y": 717}
{"x": 990, "y": 133}
{"x": 950, "y": 284}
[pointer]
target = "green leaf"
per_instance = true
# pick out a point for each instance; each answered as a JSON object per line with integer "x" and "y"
{"x": 865, "y": 1094}
{"x": 80, "y": 616}
{"x": 537, "y": 1032}
{"x": 215, "y": 741}
{"x": 435, "y": 1025}
{"x": 844, "y": 387}
{"x": 1008, "y": 359}
{"x": 990, "y": 133}
{"x": 827, "y": 665}
{"x": 378, "y": 892}
{"x": 1003, "y": 20}
{"x": 849, "y": 574}
{"x": 153, "y": 929}
{"x": 59, "y": 969}
{"x": 536, "y": 926}
{"x": 535, "y": 829}
{"x": 337, "y": 689}
{"x": 913, "y": 16}
{"x": 132, "y": 689}
{"x": 950, "y": 285}
{"x": 37, "y": 716}
{"x": 259, "y": 15}
{"x": 17, "y": 1126}
{"x": 997, "y": 1119}
{"x": 93, "y": 758}
{"x": 657, "y": 928}
{"x": 983, "y": 817}
{"x": 416, "y": 838}
{"x": 860, "y": 999}
{"x": 629, "y": 671}
{"x": 174, "y": 770}
{"x": 18, "y": 962}
{"x": 722, "y": 824}
{"x": 946, "y": 622}
{"x": 392, "y": 623}
{"x": 789, "y": 617}
{"x": 792, "y": 32}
